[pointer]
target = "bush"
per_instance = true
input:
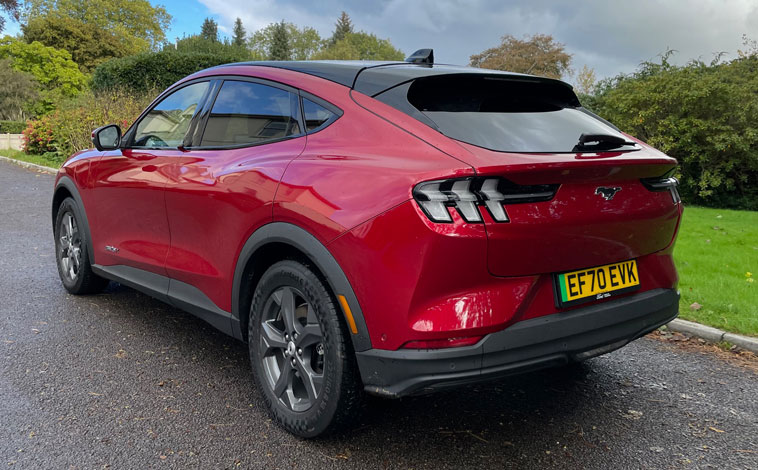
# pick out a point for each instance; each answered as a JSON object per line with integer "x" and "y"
{"x": 159, "y": 70}
{"x": 12, "y": 127}
{"x": 38, "y": 136}
{"x": 704, "y": 115}
{"x": 69, "y": 129}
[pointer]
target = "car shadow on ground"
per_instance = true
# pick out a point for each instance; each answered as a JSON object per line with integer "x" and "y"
{"x": 548, "y": 416}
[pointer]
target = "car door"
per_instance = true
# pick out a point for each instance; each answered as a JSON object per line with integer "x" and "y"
{"x": 128, "y": 214}
{"x": 222, "y": 188}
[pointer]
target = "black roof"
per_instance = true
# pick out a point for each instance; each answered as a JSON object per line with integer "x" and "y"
{"x": 373, "y": 77}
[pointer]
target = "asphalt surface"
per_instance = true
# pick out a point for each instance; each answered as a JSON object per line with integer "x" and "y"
{"x": 120, "y": 380}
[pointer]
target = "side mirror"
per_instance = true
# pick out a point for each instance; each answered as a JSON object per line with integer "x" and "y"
{"x": 107, "y": 137}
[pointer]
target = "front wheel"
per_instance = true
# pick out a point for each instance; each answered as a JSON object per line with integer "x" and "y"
{"x": 71, "y": 252}
{"x": 301, "y": 353}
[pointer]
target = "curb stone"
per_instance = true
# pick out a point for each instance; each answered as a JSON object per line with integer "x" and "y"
{"x": 32, "y": 166}
{"x": 714, "y": 335}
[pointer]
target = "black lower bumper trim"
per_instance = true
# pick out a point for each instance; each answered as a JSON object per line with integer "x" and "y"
{"x": 525, "y": 346}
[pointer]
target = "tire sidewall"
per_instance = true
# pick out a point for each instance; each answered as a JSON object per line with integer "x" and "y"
{"x": 317, "y": 419}
{"x": 69, "y": 206}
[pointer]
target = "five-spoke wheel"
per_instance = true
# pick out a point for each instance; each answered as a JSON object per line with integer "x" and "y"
{"x": 71, "y": 252}
{"x": 301, "y": 352}
{"x": 69, "y": 246}
{"x": 291, "y": 349}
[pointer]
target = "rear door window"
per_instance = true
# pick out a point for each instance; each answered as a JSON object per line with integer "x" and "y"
{"x": 246, "y": 113}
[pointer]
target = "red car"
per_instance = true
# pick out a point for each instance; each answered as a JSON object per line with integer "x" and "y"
{"x": 390, "y": 228}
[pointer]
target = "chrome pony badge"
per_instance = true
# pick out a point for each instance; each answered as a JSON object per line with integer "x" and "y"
{"x": 607, "y": 193}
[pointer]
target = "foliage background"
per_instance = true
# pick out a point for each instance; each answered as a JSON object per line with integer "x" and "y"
{"x": 703, "y": 114}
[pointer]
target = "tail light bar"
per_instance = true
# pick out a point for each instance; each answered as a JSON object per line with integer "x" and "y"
{"x": 664, "y": 183}
{"x": 469, "y": 195}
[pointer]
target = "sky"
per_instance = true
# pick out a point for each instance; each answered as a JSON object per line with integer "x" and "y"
{"x": 611, "y": 36}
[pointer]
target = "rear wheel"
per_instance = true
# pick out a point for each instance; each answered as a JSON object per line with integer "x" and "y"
{"x": 72, "y": 254}
{"x": 301, "y": 354}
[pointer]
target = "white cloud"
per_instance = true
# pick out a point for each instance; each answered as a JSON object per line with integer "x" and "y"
{"x": 610, "y": 36}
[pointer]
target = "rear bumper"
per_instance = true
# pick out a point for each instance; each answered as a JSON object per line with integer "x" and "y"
{"x": 528, "y": 345}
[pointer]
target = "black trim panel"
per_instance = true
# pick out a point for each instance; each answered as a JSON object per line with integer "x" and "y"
{"x": 528, "y": 345}
{"x": 176, "y": 293}
{"x": 302, "y": 240}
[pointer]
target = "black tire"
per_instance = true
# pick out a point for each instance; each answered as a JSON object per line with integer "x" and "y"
{"x": 74, "y": 268}
{"x": 338, "y": 403}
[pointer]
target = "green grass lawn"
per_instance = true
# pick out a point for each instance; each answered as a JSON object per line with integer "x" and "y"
{"x": 37, "y": 159}
{"x": 717, "y": 258}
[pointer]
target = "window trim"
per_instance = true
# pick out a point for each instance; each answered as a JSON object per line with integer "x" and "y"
{"x": 128, "y": 140}
{"x": 242, "y": 78}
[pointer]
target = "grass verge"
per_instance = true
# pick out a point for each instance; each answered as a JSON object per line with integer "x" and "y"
{"x": 31, "y": 158}
{"x": 717, "y": 258}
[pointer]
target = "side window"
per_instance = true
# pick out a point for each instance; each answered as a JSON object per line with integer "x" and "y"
{"x": 315, "y": 115}
{"x": 166, "y": 124}
{"x": 250, "y": 113}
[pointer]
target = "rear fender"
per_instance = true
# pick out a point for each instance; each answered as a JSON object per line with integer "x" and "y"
{"x": 290, "y": 234}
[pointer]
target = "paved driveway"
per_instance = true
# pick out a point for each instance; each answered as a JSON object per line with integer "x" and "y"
{"x": 119, "y": 380}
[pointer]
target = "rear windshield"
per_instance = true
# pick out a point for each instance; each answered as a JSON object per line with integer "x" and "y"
{"x": 506, "y": 114}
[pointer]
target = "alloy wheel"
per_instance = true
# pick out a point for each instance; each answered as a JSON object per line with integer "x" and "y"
{"x": 69, "y": 247}
{"x": 292, "y": 349}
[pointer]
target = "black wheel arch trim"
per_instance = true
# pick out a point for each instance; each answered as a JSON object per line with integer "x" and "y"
{"x": 66, "y": 182}
{"x": 302, "y": 240}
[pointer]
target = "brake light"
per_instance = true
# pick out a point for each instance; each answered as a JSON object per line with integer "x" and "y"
{"x": 664, "y": 183}
{"x": 469, "y": 195}
{"x": 442, "y": 343}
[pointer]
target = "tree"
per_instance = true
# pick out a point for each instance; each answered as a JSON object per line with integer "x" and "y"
{"x": 360, "y": 46}
{"x": 343, "y": 27}
{"x": 280, "y": 47}
{"x": 209, "y": 30}
{"x": 303, "y": 43}
{"x": 136, "y": 23}
{"x": 586, "y": 82}
{"x": 88, "y": 46}
{"x": 538, "y": 55}
{"x": 18, "y": 90}
{"x": 58, "y": 75}
{"x": 11, "y": 8}
{"x": 239, "y": 33}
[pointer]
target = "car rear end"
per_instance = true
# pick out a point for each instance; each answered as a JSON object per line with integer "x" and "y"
{"x": 557, "y": 248}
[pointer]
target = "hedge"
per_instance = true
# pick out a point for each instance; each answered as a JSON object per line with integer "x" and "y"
{"x": 152, "y": 70}
{"x": 704, "y": 115}
{"x": 12, "y": 127}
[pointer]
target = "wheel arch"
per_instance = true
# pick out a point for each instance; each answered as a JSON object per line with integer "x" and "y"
{"x": 65, "y": 187}
{"x": 280, "y": 240}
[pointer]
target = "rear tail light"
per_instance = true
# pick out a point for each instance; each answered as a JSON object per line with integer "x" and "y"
{"x": 469, "y": 195}
{"x": 664, "y": 183}
{"x": 442, "y": 343}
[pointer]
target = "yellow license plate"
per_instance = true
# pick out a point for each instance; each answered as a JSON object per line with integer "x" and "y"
{"x": 596, "y": 283}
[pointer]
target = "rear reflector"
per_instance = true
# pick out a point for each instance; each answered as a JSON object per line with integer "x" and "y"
{"x": 469, "y": 195}
{"x": 442, "y": 343}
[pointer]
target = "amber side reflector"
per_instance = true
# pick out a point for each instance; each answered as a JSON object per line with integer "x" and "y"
{"x": 348, "y": 314}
